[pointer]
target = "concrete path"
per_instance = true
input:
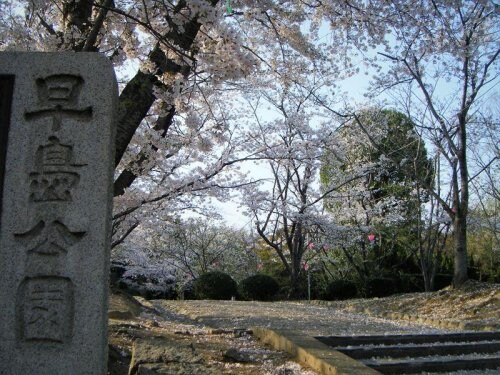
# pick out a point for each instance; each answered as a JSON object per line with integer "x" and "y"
{"x": 309, "y": 319}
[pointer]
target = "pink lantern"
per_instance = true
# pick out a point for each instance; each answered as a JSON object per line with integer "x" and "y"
{"x": 371, "y": 237}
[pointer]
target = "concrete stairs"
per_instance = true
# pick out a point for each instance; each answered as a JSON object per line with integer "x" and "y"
{"x": 409, "y": 354}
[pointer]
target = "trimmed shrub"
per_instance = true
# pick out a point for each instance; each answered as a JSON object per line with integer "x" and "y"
{"x": 215, "y": 285}
{"x": 339, "y": 290}
{"x": 382, "y": 287}
{"x": 258, "y": 287}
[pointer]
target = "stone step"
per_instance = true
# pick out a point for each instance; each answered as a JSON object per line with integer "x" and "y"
{"x": 421, "y": 353}
{"x": 337, "y": 341}
{"x": 419, "y": 350}
{"x": 414, "y": 367}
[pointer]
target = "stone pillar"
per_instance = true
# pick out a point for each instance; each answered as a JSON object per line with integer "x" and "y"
{"x": 57, "y": 135}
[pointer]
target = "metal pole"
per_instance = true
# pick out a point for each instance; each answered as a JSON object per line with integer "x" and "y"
{"x": 308, "y": 286}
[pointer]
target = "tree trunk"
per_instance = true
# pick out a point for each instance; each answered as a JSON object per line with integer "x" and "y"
{"x": 134, "y": 103}
{"x": 296, "y": 255}
{"x": 137, "y": 96}
{"x": 294, "y": 279}
{"x": 460, "y": 256}
{"x": 427, "y": 276}
{"x": 461, "y": 206}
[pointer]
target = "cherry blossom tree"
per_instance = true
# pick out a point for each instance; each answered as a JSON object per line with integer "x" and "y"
{"x": 198, "y": 245}
{"x": 184, "y": 66}
{"x": 286, "y": 205}
{"x": 178, "y": 63}
{"x": 283, "y": 211}
{"x": 444, "y": 54}
{"x": 170, "y": 141}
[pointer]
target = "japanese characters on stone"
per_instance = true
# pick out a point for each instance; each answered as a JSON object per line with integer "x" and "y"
{"x": 45, "y": 297}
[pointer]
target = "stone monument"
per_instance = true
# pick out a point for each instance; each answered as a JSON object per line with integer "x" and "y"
{"x": 56, "y": 176}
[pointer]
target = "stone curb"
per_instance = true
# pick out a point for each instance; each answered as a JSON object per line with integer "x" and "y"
{"x": 312, "y": 353}
{"x": 433, "y": 322}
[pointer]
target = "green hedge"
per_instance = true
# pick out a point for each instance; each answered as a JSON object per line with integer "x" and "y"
{"x": 258, "y": 287}
{"x": 215, "y": 285}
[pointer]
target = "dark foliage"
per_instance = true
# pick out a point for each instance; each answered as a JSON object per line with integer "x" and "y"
{"x": 141, "y": 286}
{"x": 339, "y": 290}
{"x": 116, "y": 272}
{"x": 442, "y": 280}
{"x": 215, "y": 285}
{"x": 258, "y": 287}
{"x": 382, "y": 287}
{"x": 409, "y": 283}
{"x": 187, "y": 291}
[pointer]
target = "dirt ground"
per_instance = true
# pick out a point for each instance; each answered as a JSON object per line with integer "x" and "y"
{"x": 195, "y": 348}
{"x": 214, "y": 339}
{"x": 474, "y": 302}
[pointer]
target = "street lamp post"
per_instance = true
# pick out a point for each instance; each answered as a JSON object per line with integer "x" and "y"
{"x": 306, "y": 268}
